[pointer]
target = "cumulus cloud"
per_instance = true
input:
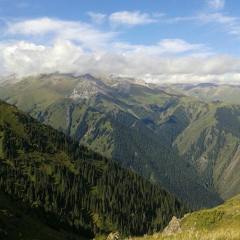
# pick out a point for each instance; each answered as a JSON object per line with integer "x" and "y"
{"x": 130, "y": 18}
{"x": 63, "y": 56}
{"x": 27, "y": 58}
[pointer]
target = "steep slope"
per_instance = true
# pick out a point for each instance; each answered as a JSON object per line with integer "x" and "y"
{"x": 18, "y": 221}
{"x": 214, "y": 148}
{"x": 122, "y": 120}
{"x": 221, "y": 222}
{"x": 73, "y": 187}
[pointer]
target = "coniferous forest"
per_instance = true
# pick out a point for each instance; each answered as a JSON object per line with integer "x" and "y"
{"x": 75, "y": 188}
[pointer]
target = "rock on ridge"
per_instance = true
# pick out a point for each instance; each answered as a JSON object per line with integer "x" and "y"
{"x": 173, "y": 227}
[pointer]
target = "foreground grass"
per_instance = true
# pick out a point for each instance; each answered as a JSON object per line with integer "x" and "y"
{"x": 219, "y": 223}
{"x": 218, "y": 234}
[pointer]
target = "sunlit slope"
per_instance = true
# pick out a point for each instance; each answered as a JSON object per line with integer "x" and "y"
{"x": 221, "y": 222}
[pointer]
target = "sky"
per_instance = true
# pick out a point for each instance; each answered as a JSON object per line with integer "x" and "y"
{"x": 160, "y": 41}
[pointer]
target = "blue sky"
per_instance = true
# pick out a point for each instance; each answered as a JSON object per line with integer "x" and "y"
{"x": 156, "y": 40}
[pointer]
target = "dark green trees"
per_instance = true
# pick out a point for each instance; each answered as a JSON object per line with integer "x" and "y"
{"x": 75, "y": 187}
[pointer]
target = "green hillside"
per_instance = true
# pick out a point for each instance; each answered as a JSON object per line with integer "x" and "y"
{"x": 71, "y": 188}
{"x": 214, "y": 148}
{"x": 221, "y": 222}
{"x": 133, "y": 124}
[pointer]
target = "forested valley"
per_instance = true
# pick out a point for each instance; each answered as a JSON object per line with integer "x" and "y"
{"x": 73, "y": 187}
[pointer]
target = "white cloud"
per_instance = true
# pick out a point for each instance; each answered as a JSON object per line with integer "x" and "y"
{"x": 77, "y": 31}
{"x": 27, "y": 58}
{"x": 213, "y": 14}
{"x": 218, "y": 18}
{"x": 130, "y": 18}
{"x": 229, "y": 24}
{"x": 63, "y": 56}
{"x": 216, "y": 5}
{"x": 97, "y": 18}
{"x": 79, "y": 48}
{"x": 165, "y": 46}
{"x": 178, "y": 45}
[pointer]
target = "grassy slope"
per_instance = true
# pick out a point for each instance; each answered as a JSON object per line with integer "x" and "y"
{"x": 221, "y": 222}
{"x": 214, "y": 160}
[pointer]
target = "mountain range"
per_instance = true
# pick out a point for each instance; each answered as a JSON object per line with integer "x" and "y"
{"x": 180, "y": 137}
{"x": 208, "y": 91}
{"x": 123, "y": 118}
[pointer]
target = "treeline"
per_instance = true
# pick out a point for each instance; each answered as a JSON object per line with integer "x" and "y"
{"x": 76, "y": 188}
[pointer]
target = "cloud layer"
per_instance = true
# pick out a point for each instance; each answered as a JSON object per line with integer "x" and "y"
{"x": 63, "y": 56}
{"x": 46, "y": 45}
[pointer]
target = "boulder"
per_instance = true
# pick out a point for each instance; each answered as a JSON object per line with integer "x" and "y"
{"x": 173, "y": 227}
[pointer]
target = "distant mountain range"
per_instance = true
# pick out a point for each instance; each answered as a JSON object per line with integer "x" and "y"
{"x": 167, "y": 134}
{"x": 209, "y": 91}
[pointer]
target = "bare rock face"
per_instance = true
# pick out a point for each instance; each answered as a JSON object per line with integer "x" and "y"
{"x": 89, "y": 86}
{"x": 173, "y": 227}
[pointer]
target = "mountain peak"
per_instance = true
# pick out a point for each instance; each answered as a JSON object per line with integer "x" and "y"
{"x": 89, "y": 86}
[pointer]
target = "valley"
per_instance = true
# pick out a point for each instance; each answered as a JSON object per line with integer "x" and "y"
{"x": 134, "y": 124}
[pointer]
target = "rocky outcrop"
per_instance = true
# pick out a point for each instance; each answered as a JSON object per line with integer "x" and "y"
{"x": 89, "y": 86}
{"x": 113, "y": 236}
{"x": 173, "y": 227}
